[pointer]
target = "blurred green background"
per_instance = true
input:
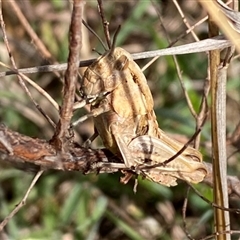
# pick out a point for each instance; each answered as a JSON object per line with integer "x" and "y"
{"x": 69, "y": 206}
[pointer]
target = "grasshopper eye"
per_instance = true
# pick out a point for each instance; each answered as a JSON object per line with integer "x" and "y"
{"x": 121, "y": 63}
{"x": 81, "y": 93}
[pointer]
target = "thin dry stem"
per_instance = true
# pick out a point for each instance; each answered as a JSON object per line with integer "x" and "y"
{"x": 189, "y": 30}
{"x": 184, "y": 210}
{"x": 197, "y": 47}
{"x": 185, "y": 21}
{"x": 105, "y": 23}
{"x": 36, "y": 40}
{"x": 190, "y": 106}
{"x": 22, "y": 202}
{"x": 218, "y": 132}
{"x": 20, "y": 78}
{"x": 218, "y": 234}
{"x": 212, "y": 204}
{"x": 36, "y": 86}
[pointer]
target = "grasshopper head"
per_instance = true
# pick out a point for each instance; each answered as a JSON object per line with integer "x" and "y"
{"x": 103, "y": 75}
{"x": 92, "y": 82}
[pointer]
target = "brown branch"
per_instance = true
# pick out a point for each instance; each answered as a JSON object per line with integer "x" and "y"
{"x": 31, "y": 154}
{"x": 105, "y": 23}
{"x": 75, "y": 42}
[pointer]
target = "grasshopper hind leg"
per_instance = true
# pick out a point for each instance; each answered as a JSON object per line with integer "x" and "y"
{"x": 122, "y": 145}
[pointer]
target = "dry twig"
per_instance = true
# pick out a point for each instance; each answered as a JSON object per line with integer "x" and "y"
{"x": 22, "y": 202}
{"x": 61, "y": 135}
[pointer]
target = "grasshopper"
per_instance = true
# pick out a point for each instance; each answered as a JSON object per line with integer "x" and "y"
{"x": 122, "y": 109}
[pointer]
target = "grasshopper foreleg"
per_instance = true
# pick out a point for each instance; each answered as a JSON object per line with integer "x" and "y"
{"x": 94, "y": 113}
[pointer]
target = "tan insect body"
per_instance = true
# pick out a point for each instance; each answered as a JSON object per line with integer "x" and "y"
{"x": 125, "y": 120}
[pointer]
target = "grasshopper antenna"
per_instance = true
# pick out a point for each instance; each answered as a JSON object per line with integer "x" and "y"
{"x": 115, "y": 38}
{"x": 95, "y": 34}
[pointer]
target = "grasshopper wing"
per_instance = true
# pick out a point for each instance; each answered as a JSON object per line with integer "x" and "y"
{"x": 150, "y": 152}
